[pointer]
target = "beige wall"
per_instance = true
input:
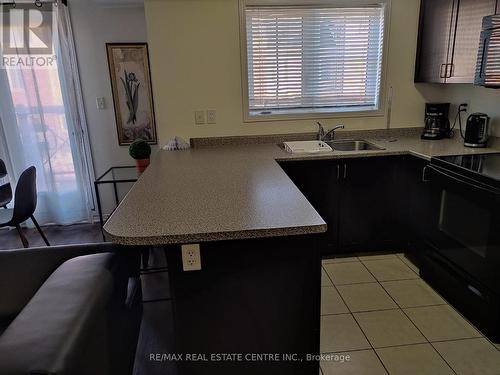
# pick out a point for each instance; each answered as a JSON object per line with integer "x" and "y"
{"x": 195, "y": 62}
{"x": 93, "y": 27}
{"x": 480, "y": 99}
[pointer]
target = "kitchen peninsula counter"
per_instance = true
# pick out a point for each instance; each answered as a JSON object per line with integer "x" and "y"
{"x": 260, "y": 241}
{"x": 237, "y": 192}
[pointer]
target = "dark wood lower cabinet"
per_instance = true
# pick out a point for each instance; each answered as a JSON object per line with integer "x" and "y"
{"x": 370, "y": 208}
{"x": 319, "y": 182}
{"x": 417, "y": 205}
{"x": 360, "y": 199}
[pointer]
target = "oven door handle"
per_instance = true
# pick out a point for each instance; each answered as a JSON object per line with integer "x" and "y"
{"x": 462, "y": 181}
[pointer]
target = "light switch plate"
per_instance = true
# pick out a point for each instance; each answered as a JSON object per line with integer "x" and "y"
{"x": 191, "y": 258}
{"x": 211, "y": 116}
{"x": 199, "y": 117}
{"x": 101, "y": 103}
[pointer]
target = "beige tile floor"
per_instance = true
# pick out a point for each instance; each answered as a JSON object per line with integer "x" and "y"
{"x": 380, "y": 317}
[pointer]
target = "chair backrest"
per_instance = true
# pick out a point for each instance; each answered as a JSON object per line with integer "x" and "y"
{"x": 25, "y": 197}
{"x": 3, "y": 168}
{"x": 5, "y": 189}
{"x": 5, "y": 194}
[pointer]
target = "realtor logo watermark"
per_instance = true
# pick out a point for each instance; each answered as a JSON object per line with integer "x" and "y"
{"x": 28, "y": 33}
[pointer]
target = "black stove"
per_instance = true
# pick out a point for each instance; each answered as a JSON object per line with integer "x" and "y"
{"x": 484, "y": 168}
{"x": 461, "y": 244}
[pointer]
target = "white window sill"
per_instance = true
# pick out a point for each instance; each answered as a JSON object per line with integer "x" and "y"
{"x": 319, "y": 113}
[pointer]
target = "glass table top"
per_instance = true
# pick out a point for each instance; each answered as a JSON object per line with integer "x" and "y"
{"x": 119, "y": 174}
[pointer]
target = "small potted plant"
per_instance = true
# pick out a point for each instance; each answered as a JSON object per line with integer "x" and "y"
{"x": 140, "y": 150}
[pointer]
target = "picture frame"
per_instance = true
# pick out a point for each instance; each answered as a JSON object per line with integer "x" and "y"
{"x": 132, "y": 91}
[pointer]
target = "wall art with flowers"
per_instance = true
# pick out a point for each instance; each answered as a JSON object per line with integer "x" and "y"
{"x": 132, "y": 92}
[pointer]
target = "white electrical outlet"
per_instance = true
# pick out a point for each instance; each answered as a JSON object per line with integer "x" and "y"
{"x": 211, "y": 116}
{"x": 191, "y": 258}
{"x": 466, "y": 108}
{"x": 199, "y": 117}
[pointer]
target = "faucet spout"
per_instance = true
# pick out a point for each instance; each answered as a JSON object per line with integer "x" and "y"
{"x": 330, "y": 135}
{"x": 321, "y": 131}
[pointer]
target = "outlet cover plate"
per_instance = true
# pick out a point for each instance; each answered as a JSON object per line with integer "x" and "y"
{"x": 211, "y": 116}
{"x": 191, "y": 258}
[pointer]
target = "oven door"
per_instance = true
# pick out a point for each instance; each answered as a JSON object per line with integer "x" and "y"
{"x": 464, "y": 225}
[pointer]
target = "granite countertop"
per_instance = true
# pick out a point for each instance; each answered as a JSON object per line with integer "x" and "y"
{"x": 237, "y": 192}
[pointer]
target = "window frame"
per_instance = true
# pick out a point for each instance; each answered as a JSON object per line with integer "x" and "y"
{"x": 298, "y": 114}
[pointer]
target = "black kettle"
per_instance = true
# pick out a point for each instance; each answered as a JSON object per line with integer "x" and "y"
{"x": 477, "y": 130}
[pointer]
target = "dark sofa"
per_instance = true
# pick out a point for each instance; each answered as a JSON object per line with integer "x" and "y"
{"x": 69, "y": 310}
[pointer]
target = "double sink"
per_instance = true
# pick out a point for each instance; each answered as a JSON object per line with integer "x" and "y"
{"x": 313, "y": 147}
{"x": 352, "y": 145}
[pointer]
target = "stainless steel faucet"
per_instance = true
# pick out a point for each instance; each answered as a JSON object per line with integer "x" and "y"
{"x": 327, "y": 136}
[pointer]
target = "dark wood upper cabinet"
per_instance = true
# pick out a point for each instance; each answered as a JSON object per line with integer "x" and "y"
{"x": 434, "y": 39}
{"x": 470, "y": 20}
{"x": 448, "y": 39}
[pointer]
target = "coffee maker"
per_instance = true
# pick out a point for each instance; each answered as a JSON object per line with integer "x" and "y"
{"x": 437, "y": 124}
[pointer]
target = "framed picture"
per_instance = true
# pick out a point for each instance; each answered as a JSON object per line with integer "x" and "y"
{"x": 132, "y": 92}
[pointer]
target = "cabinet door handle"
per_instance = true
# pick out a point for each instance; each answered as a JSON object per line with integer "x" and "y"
{"x": 345, "y": 171}
{"x": 443, "y": 70}
{"x": 424, "y": 174}
{"x": 475, "y": 291}
{"x": 338, "y": 172}
{"x": 483, "y": 52}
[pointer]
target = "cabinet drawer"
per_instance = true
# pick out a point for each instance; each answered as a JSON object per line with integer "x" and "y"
{"x": 478, "y": 304}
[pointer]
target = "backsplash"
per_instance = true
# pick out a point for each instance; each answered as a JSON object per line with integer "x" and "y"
{"x": 279, "y": 138}
{"x": 478, "y": 98}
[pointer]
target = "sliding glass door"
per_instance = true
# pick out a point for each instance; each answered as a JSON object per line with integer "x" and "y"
{"x": 38, "y": 128}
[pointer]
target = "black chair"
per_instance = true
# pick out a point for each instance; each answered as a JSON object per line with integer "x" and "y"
{"x": 5, "y": 189}
{"x": 3, "y": 169}
{"x": 25, "y": 200}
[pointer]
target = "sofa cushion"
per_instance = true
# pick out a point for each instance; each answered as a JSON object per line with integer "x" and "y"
{"x": 3, "y": 326}
{"x": 51, "y": 329}
{"x": 23, "y": 271}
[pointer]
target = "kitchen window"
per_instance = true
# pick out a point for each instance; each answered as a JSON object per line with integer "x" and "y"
{"x": 314, "y": 59}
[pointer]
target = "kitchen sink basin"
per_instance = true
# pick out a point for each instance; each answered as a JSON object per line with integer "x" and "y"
{"x": 352, "y": 145}
{"x": 306, "y": 147}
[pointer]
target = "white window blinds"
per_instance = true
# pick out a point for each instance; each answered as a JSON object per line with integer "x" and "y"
{"x": 314, "y": 59}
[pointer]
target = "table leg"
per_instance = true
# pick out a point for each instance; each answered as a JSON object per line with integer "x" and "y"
{"x": 117, "y": 201}
{"x": 99, "y": 208}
